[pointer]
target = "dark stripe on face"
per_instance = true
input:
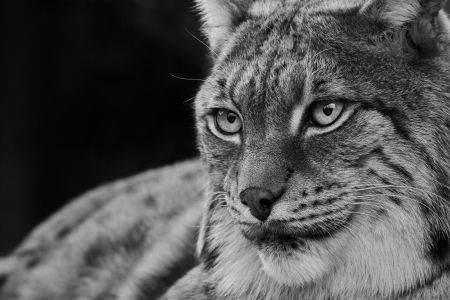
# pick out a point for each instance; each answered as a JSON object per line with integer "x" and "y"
{"x": 439, "y": 246}
{"x": 209, "y": 253}
{"x": 442, "y": 180}
{"x": 209, "y": 257}
{"x": 400, "y": 170}
{"x": 396, "y": 116}
{"x": 395, "y": 200}
{"x": 381, "y": 191}
{"x": 385, "y": 181}
{"x": 233, "y": 82}
{"x": 379, "y": 154}
{"x": 316, "y": 85}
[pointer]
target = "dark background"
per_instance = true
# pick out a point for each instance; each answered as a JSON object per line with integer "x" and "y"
{"x": 86, "y": 97}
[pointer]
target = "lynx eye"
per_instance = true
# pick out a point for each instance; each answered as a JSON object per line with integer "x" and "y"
{"x": 227, "y": 122}
{"x": 325, "y": 113}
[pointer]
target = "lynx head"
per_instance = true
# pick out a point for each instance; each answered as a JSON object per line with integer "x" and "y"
{"x": 325, "y": 127}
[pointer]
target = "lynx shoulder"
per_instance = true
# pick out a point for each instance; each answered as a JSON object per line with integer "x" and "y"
{"x": 131, "y": 239}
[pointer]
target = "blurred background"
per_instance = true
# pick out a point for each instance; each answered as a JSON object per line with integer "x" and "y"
{"x": 87, "y": 96}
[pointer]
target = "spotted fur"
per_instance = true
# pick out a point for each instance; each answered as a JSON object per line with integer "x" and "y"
{"x": 359, "y": 207}
{"x": 132, "y": 239}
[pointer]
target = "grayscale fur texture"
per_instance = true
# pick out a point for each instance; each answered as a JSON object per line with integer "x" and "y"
{"x": 362, "y": 205}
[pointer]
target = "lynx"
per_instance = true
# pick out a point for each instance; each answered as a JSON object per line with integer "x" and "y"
{"x": 324, "y": 133}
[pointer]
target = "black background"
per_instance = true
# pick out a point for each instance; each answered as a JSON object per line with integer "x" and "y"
{"x": 87, "y": 96}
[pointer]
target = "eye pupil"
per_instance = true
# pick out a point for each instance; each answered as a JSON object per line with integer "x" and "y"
{"x": 325, "y": 112}
{"x": 227, "y": 122}
{"x": 231, "y": 118}
{"x": 328, "y": 109}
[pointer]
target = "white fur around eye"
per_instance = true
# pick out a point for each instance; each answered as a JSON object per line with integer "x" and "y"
{"x": 345, "y": 113}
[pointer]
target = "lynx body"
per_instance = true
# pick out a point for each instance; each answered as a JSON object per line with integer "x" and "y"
{"x": 324, "y": 132}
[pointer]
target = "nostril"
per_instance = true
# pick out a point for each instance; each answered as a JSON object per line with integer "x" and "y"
{"x": 265, "y": 203}
{"x": 259, "y": 201}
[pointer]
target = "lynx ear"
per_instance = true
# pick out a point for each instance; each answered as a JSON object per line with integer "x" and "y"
{"x": 220, "y": 17}
{"x": 423, "y": 20}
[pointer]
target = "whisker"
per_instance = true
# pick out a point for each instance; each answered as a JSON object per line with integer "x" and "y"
{"x": 374, "y": 186}
{"x": 217, "y": 55}
{"x": 400, "y": 196}
{"x": 443, "y": 184}
{"x": 366, "y": 214}
{"x": 190, "y": 99}
{"x": 189, "y": 79}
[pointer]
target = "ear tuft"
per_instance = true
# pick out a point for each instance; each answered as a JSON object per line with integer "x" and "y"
{"x": 400, "y": 12}
{"x": 417, "y": 19}
{"x": 220, "y": 17}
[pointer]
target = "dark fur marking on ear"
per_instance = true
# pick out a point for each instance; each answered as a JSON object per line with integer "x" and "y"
{"x": 440, "y": 245}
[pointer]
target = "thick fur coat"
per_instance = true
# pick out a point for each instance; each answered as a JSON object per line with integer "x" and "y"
{"x": 324, "y": 132}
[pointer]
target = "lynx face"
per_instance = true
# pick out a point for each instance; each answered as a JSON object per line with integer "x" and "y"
{"x": 325, "y": 132}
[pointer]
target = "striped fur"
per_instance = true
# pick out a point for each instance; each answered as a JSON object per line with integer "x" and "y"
{"x": 361, "y": 206}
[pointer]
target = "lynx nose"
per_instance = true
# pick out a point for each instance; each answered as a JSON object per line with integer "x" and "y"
{"x": 259, "y": 201}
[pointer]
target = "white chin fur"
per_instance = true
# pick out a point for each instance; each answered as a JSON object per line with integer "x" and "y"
{"x": 297, "y": 269}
